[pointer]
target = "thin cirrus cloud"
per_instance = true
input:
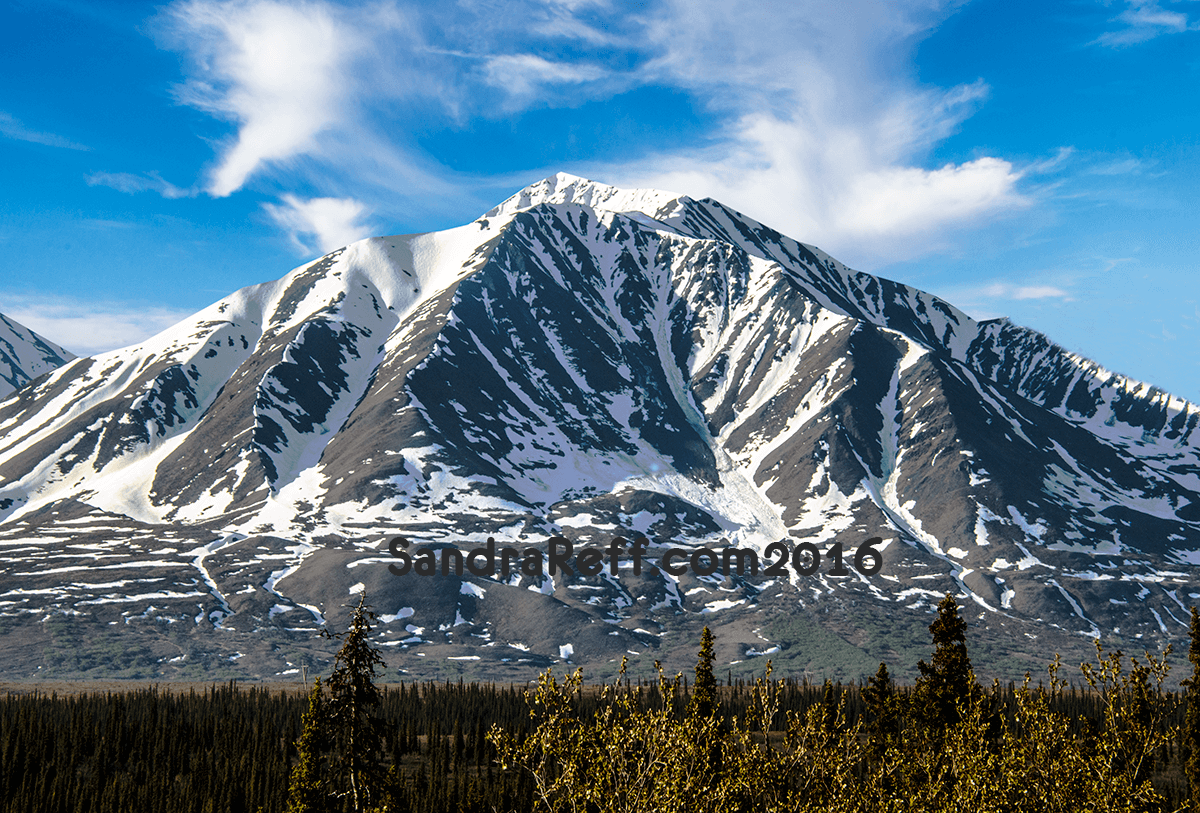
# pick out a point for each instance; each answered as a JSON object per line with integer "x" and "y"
{"x": 11, "y": 127}
{"x": 130, "y": 183}
{"x": 991, "y": 300}
{"x": 1143, "y": 20}
{"x": 525, "y": 76}
{"x": 818, "y": 127}
{"x": 1001, "y": 290}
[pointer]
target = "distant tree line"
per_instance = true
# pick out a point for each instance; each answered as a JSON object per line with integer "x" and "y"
{"x": 1120, "y": 743}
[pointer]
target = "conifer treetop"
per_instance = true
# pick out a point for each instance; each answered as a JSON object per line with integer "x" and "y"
{"x": 704, "y": 692}
{"x": 949, "y": 680}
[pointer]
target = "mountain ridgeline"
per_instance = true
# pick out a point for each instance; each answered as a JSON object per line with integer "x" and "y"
{"x": 584, "y": 362}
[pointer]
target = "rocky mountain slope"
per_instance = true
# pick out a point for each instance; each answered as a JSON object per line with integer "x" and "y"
{"x": 584, "y": 362}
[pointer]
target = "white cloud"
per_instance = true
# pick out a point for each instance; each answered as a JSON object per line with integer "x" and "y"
{"x": 904, "y": 200}
{"x": 285, "y": 72}
{"x": 521, "y": 76}
{"x": 829, "y": 133}
{"x": 87, "y": 327}
{"x": 320, "y": 225}
{"x": 1004, "y": 290}
{"x": 12, "y": 128}
{"x": 1040, "y": 292}
{"x": 130, "y": 184}
{"x": 1144, "y": 20}
{"x": 275, "y": 67}
{"x": 323, "y": 95}
{"x": 994, "y": 299}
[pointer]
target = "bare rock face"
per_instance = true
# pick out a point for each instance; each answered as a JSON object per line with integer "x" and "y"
{"x": 823, "y": 453}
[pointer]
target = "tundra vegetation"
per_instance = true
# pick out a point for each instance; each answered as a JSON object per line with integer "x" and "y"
{"x": 1118, "y": 742}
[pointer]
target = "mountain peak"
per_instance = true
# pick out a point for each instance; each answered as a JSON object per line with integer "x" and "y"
{"x": 563, "y": 187}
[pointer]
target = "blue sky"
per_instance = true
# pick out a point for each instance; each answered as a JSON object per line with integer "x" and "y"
{"x": 1029, "y": 159}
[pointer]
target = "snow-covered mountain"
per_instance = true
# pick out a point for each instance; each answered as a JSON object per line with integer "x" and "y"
{"x": 24, "y": 355}
{"x": 584, "y": 361}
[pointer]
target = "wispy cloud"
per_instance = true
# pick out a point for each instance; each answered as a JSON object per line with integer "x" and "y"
{"x": 1118, "y": 166}
{"x": 287, "y": 74}
{"x": 320, "y": 225}
{"x": 828, "y": 134}
{"x": 1144, "y": 20}
{"x": 147, "y": 182}
{"x": 991, "y": 299}
{"x": 315, "y": 90}
{"x": 1004, "y": 290}
{"x": 270, "y": 67}
{"x": 522, "y": 76}
{"x": 87, "y": 327}
{"x": 12, "y": 128}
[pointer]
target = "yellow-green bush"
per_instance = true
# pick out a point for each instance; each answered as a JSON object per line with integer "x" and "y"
{"x": 914, "y": 753}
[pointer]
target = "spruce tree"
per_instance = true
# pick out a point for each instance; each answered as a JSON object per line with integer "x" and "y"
{"x": 704, "y": 693}
{"x": 1190, "y": 735}
{"x": 949, "y": 680}
{"x": 702, "y": 710}
{"x": 305, "y": 791}
{"x": 354, "y": 732}
{"x": 880, "y": 697}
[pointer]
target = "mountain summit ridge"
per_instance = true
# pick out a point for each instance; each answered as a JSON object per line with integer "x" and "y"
{"x": 585, "y": 361}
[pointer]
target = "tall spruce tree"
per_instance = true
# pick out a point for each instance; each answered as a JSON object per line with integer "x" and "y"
{"x": 306, "y": 792}
{"x": 1190, "y": 735}
{"x": 704, "y": 692}
{"x": 949, "y": 680}
{"x": 882, "y": 704}
{"x": 354, "y": 731}
{"x": 702, "y": 712}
